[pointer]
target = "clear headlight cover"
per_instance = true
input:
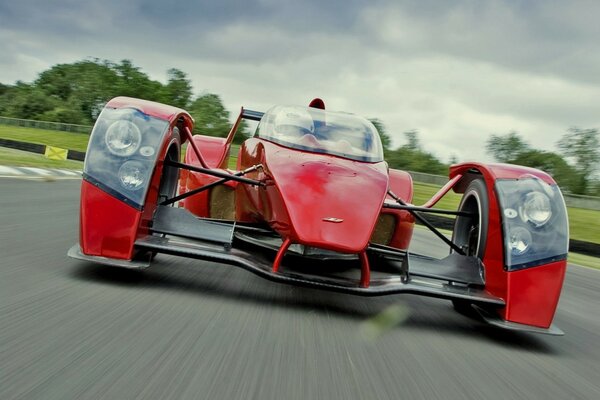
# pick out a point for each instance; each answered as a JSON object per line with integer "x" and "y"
{"x": 536, "y": 208}
{"x": 539, "y": 232}
{"x": 123, "y": 138}
{"x": 132, "y": 175}
{"x": 122, "y": 152}
{"x": 519, "y": 241}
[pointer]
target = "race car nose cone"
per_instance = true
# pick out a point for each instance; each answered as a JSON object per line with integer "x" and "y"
{"x": 333, "y": 203}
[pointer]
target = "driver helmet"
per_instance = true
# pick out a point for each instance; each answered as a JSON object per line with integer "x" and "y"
{"x": 294, "y": 122}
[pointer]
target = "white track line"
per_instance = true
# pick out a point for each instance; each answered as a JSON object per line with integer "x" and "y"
{"x": 4, "y": 170}
{"x": 37, "y": 171}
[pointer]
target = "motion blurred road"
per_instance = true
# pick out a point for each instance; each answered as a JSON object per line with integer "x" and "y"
{"x": 190, "y": 329}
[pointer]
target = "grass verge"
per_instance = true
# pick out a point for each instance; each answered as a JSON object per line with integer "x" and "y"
{"x": 65, "y": 140}
{"x": 17, "y": 158}
{"x": 586, "y": 261}
{"x": 424, "y": 191}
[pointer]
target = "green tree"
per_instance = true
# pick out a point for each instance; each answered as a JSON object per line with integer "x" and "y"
{"x": 83, "y": 86}
{"x": 386, "y": 141}
{"x": 582, "y": 146}
{"x": 210, "y": 115}
{"x": 565, "y": 175}
{"x": 5, "y": 96}
{"x": 67, "y": 113}
{"x": 242, "y": 133}
{"x": 411, "y": 157}
{"x": 132, "y": 82}
{"x": 178, "y": 91}
{"x": 505, "y": 148}
{"x": 77, "y": 92}
{"x": 59, "y": 81}
{"x": 27, "y": 102}
{"x": 412, "y": 138}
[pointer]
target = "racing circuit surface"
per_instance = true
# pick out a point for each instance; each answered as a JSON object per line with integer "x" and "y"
{"x": 192, "y": 329}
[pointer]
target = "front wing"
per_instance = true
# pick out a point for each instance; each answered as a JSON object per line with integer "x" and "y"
{"x": 177, "y": 232}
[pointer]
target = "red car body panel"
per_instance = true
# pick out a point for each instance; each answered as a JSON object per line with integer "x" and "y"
{"x": 315, "y": 199}
{"x": 215, "y": 151}
{"x": 157, "y": 110}
{"x": 402, "y": 185}
{"x": 504, "y": 171}
{"x": 531, "y": 295}
{"x": 308, "y": 187}
{"x": 108, "y": 227}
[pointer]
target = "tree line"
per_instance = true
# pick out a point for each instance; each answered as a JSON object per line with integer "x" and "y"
{"x": 76, "y": 93}
{"x": 575, "y": 166}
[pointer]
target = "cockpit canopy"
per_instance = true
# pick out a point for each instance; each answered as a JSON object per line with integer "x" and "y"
{"x": 319, "y": 131}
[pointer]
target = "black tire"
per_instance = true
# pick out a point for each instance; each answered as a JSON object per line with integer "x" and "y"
{"x": 470, "y": 233}
{"x": 167, "y": 188}
{"x": 170, "y": 176}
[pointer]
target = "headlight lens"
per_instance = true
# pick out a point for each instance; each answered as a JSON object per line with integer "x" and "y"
{"x": 123, "y": 138}
{"x": 536, "y": 209}
{"x": 519, "y": 241}
{"x": 534, "y": 222}
{"x": 132, "y": 175}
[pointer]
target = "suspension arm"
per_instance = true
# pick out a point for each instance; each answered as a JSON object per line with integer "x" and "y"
{"x": 214, "y": 172}
{"x": 427, "y": 210}
{"x": 427, "y": 224}
{"x": 210, "y": 185}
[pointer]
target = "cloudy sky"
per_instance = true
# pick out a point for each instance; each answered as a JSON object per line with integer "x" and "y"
{"x": 456, "y": 71}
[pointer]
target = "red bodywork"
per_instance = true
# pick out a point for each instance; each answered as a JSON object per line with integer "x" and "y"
{"x": 306, "y": 191}
{"x": 531, "y": 294}
{"x": 102, "y": 235}
{"x": 313, "y": 199}
{"x": 109, "y": 227}
{"x": 317, "y": 200}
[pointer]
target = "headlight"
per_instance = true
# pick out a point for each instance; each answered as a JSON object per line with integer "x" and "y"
{"x": 122, "y": 152}
{"x": 536, "y": 209}
{"x": 519, "y": 241}
{"x": 132, "y": 175}
{"x": 534, "y": 222}
{"x": 123, "y": 138}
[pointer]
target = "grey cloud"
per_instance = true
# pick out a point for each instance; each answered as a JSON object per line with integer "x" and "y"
{"x": 455, "y": 70}
{"x": 201, "y": 16}
{"x": 560, "y": 39}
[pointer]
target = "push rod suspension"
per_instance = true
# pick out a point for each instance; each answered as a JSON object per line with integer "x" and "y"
{"x": 213, "y": 172}
{"x": 190, "y": 138}
{"x": 427, "y": 224}
{"x": 208, "y": 186}
{"x": 428, "y": 210}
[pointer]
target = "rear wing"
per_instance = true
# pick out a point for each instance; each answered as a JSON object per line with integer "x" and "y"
{"x": 244, "y": 114}
{"x": 252, "y": 115}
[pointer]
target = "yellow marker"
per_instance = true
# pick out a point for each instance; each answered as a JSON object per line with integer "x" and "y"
{"x": 56, "y": 153}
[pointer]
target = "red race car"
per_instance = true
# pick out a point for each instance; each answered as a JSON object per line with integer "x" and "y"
{"x": 313, "y": 203}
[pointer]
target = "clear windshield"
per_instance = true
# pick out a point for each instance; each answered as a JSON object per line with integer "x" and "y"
{"x": 321, "y": 131}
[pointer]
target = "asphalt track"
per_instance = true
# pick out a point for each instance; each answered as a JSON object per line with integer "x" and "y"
{"x": 189, "y": 329}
